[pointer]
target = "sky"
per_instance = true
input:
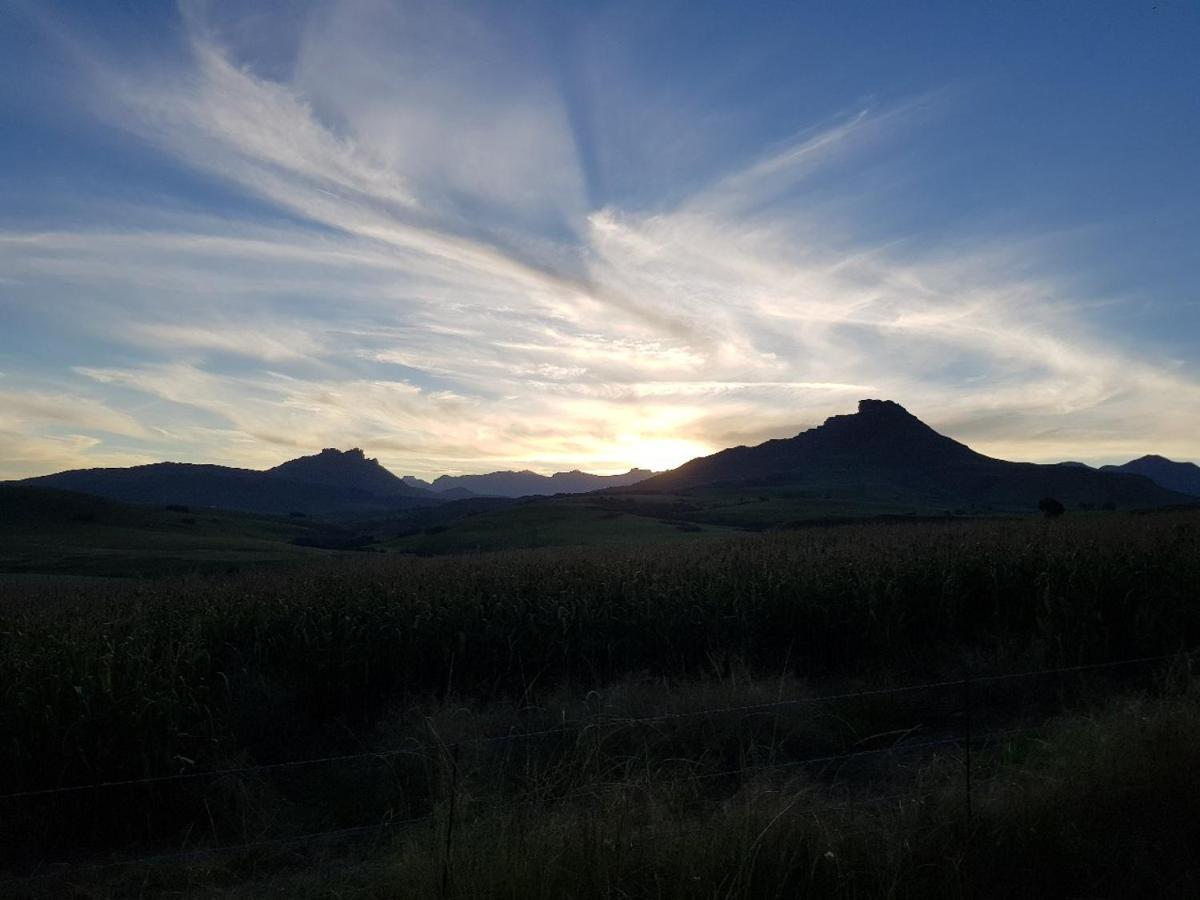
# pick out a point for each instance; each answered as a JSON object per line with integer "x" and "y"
{"x": 472, "y": 236}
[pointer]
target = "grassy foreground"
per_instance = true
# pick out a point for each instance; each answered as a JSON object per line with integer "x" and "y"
{"x": 131, "y": 680}
{"x": 1106, "y": 805}
{"x": 1099, "y": 805}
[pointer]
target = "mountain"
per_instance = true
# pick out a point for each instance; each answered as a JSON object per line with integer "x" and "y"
{"x": 452, "y": 493}
{"x": 883, "y": 452}
{"x": 330, "y": 484}
{"x": 345, "y": 469}
{"x": 879, "y": 460}
{"x": 525, "y": 483}
{"x": 333, "y": 483}
{"x": 1182, "y": 477}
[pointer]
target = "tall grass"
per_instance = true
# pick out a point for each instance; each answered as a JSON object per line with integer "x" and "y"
{"x": 141, "y": 679}
{"x": 1102, "y": 804}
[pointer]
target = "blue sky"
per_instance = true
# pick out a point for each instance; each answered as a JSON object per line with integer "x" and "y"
{"x": 477, "y": 236}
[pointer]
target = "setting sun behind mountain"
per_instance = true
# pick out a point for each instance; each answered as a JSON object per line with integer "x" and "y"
{"x": 660, "y": 454}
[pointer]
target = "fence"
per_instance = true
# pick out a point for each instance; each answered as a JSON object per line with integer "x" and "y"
{"x": 965, "y": 720}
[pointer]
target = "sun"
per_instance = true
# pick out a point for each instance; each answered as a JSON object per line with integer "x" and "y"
{"x": 660, "y": 454}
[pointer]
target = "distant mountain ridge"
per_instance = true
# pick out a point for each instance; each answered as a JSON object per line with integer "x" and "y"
{"x": 880, "y": 456}
{"x": 885, "y": 451}
{"x": 333, "y": 483}
{"x": 526, "y": 483}
{"x": 1183, "y": 477}
{"x": 222, "y": 487}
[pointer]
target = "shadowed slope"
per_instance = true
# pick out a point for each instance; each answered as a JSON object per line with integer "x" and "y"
{"x": 1183, "y": 477}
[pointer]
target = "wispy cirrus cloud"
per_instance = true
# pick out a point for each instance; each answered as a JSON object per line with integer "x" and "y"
{"x": 433, "y": 280}
{"x": 28, "y": 410}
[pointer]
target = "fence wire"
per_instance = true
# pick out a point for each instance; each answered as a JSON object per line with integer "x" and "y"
{"x": 423, "y": 751}
{"x": 420, "y": 750}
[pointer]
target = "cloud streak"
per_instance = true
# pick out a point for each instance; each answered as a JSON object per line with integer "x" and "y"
{"x": 432, "y": 284}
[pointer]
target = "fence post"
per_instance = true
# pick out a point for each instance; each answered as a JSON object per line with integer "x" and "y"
{"x": 450, "y": 825}
{"x": 967, "y": 744}
{"x": 966, "y": 870}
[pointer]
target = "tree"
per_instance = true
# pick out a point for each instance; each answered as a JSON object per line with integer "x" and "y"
{"x": 1051, "y": 508}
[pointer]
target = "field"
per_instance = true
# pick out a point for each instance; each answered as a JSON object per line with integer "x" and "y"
{"x": 544, "y": 719}
{"x": 62, "y": 533}
{"x": 564, "y": 522}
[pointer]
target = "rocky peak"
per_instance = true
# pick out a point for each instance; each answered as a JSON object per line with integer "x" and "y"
{"x": 879, "y": 409}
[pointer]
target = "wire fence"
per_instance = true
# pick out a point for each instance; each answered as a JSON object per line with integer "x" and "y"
{"x": 450, "y": 797}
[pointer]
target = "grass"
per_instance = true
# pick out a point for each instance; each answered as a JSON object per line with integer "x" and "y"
{"x": 1096, "y": 804}
{"x": 107, "y": 681}
{"x": 63, "y": 533}
{"x": 549, "y": 523}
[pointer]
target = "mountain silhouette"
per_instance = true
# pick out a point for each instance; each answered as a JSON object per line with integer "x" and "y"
{"x": 1182, "y": 477}
{"x": 881, "y": 434}
{"x": 345, "y": 469}
{"x": 452, "y": 493}
{"x": 333, "y": 483}
{"x": 529, "y": 484}
{"x": 881, "y": 454}
{"x": 330, "y": 484}
{"x": 883, "y": 451}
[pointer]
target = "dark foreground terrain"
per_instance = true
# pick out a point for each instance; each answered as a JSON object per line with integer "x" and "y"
{"x": 964, "y": 708}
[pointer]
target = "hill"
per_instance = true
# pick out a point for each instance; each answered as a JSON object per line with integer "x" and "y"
{"x": 330, "y": 484}
{"x": 1182, "y": 477}
{"x": 346, "y": 469}
{"x": 526, "y": 483}
{"x": 454, "y": 493}
{"x": 48, "y": 531}
{"x": 884, "y": 459}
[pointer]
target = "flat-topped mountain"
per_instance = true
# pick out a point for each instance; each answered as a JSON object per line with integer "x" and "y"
{"x": 883, "y": 451}
{"x": 881, "y": 434}
{"x": 1183, "y": 477}
{"x": 345, "y": 469}
{"x": 526, "y": 483}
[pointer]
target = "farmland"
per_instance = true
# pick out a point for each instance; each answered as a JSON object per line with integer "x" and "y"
{"x": 353, "y": 654}
{"x": 46, "y": 532}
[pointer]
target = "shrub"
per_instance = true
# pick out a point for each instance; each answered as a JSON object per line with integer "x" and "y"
{"x": 1051, "y": 508}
